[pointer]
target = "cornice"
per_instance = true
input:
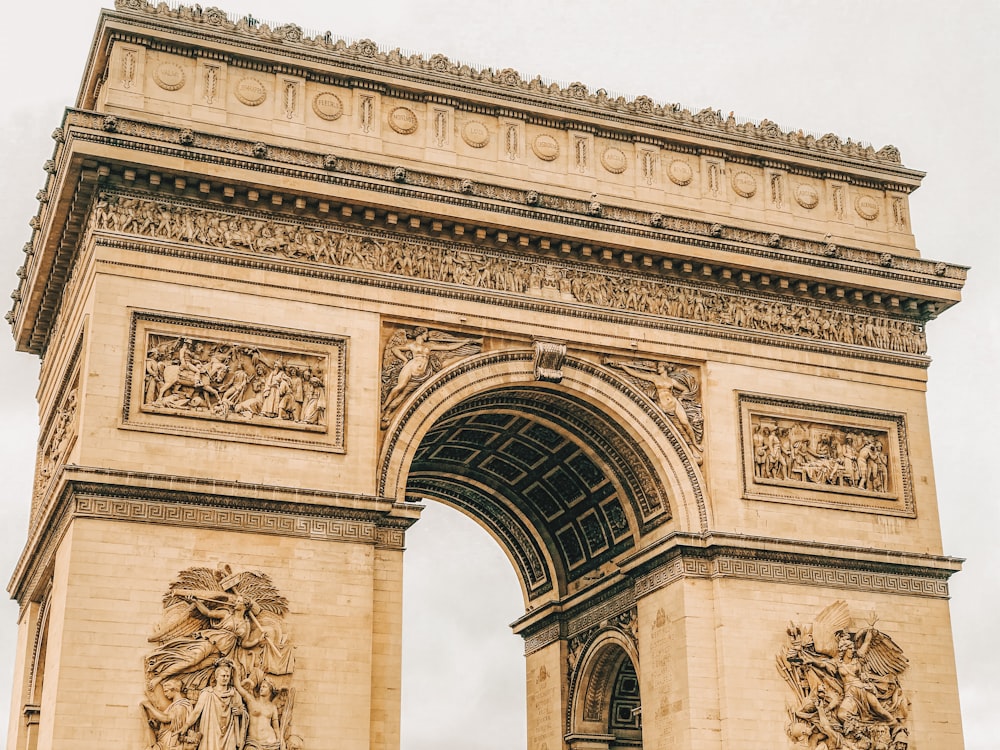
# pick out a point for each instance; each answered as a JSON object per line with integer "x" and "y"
{"x": 323, "y": 169}
{"x": 717, "y": 556}
{"x": 505, "y": 88}
{"x": 89, "y": 492}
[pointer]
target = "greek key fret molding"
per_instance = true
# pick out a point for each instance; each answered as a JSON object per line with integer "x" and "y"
{"x": 765, "y": 317}
{"x": 925, "y": 576}
{"x": 200, "y": 503}
{"x": 577, "y": 623}
{"x": 365, "y": 56}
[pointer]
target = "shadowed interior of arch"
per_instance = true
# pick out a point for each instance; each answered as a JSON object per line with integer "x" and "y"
{"x": 554, "y": 478}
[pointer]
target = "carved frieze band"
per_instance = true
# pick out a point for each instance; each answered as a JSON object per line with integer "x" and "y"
{"x": 243, "y": 520}
{"x": 59, "y": 434}
{"x": 774, "y": 319}
{"x": 232, "y": 380}
{"x": 824, "y": 454}
{"x": 777, "y": 571}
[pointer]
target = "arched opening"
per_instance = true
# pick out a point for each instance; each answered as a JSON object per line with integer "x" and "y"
{"x": 569, "y": 478}
{"x": 606, "y": 709}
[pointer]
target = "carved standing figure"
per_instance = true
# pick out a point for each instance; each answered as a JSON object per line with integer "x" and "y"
{"x": 168, "y": 724}
{"x": 219, "y": 713}
{"x": 264, "y": 726}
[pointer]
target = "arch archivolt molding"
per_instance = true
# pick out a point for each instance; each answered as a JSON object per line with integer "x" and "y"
{"x": 667, "y": 473}
{"x": 595, "y": 658}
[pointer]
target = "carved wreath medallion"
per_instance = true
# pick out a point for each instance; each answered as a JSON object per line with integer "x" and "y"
{"x": 476, "y": 133}
{"x": 806, "y": 196}
{"x": 250, "y": 91}
{"x": 744, "y": 184}
{"x": 169, "y": 76}
{"x": 327, "y": 106}
{"x": 680, "y": 172}
{"x": 846, "y": 681}
{"x": 614, "y": 160}
{"x": 403, "y": 120}
{"x": 867, "y": 207}
{"x": 545, "y": 147}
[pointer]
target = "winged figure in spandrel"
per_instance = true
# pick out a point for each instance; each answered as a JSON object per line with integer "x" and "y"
{"x": 411, "y": 358}
{"x": 847, "y": 684}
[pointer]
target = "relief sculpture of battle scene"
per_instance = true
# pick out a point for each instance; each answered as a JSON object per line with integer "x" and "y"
{"x": 220, "y": 673}
{"x": 846, "y": 681}
{"x": 229, "y": 381}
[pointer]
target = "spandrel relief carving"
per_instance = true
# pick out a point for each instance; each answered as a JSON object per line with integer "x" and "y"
{"x": 411, "y": 357}
{"x": 674, "y": 389}
{"x": 498, "y": 271}
{"x": 824, "y": 454}
{"x": 220, "y": 674}
{"x": 229, "y": 381}
{"x": 846, "y": 681}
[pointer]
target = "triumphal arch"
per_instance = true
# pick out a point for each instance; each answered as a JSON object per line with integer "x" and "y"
{"x": 288, "y": 288}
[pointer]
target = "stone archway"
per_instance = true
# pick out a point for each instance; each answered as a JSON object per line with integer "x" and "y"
{"x": 605, "y": 711}
{"x": 624, "y": 455}
{"x": 570, "y": 477}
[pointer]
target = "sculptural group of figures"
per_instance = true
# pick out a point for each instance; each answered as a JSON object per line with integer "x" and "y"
{"x": 226, "y": 380}
{"x": 815, "y": 454}
{"x": 846, "y": 683}
{"x": 219, "y": 677}
{"x": 497, "y": 272}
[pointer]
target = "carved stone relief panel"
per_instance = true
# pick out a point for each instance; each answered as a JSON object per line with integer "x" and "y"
{"x": 330, "y": 245}
{"x": 221, "y": 671}
{"x": 820, "y": 454}
{"x": 235, "y": 381}
{"x": 674, "y": 388}
{"x": 59, "y": 435}
{"x": 846, "y": 683}
{"x": 412, "y": 356}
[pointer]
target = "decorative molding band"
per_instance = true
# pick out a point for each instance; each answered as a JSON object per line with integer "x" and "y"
{"x": 366, "y": 57}
{"x": 771, "y": 318}
{"x": 576, "y": 620}
{"x": 200, "y": 503}
{"x": 795, "y": 569}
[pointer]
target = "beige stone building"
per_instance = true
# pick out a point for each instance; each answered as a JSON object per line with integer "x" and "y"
{"x": 286, "y": 288}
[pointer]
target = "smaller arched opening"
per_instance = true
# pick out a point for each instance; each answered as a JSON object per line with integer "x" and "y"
{"x": 606, "y": 709}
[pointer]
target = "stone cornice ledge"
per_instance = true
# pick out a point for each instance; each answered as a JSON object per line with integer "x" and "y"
{"x": 819, "y": 564}
{"x": 507, "y": 86}
{"x": 88, "y": 492}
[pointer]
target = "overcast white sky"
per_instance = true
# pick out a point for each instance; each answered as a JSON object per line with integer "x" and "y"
{"x": 921, "y": 75}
